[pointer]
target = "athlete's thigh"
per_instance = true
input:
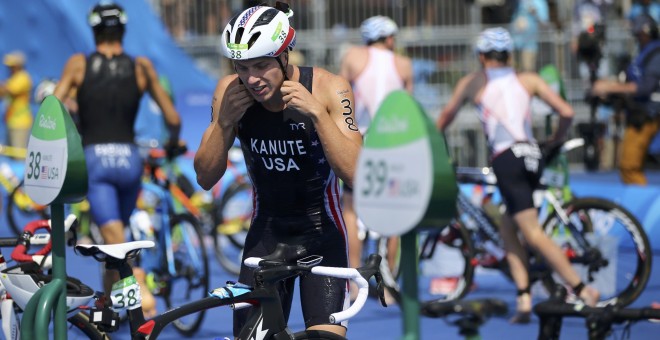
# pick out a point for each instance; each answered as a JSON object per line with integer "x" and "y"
{"x": 103, "y": 202}
{"x": 260, "y": 242}
{"x": 512, "y": 182}
{"x": 127, "y": 180}
{"x": 321, "y": 296}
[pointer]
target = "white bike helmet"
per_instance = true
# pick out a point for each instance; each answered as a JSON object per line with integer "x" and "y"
{"x": 259, "y": 31}
{"x": 494, "y": 39}
{"x": 23, "y": 280}
{"x": 377, "y": 27}
{"x": 45, "y": 88}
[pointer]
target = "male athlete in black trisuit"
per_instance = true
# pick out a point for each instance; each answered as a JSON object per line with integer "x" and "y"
{"x": 298, "y": 133}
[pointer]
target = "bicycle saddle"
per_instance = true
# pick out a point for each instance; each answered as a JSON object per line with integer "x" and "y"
{"x": 118, "y": 251}
{"x": 24, "y": 279}
{"x": 284, "y": 253}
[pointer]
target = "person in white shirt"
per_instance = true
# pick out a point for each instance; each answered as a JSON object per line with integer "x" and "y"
{"x": 502, "y": 98}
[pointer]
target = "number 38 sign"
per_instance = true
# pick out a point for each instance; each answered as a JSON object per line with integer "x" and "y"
{"x": 55, "y": 169}
{"x": 404, "y": 177}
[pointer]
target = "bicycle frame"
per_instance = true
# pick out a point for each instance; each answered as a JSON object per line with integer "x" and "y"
{"x": 267, "y": 319}
{"x": 486, "y": 228}
{"x": 267, "y": 316}
{"x": 161, "y": 175}
{"x": 165, "y": 209}
{"x": 168, "y": 195}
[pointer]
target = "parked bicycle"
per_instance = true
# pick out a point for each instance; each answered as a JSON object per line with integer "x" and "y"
{"x": 598, "y": 321}
{"x": 579, "y": 225}
{"x": 224, "y": 212}
{"x": 20, "y": 281}
{"x": 178, "y": 269}
{"x": 267, "y": 319}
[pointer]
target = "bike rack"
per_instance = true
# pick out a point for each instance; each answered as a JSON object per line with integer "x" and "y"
{"x": 399, "y": 189}
{"x": 55, "y": 174}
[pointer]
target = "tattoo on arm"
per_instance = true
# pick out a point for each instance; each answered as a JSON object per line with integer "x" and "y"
{"x": 348, "y": 111}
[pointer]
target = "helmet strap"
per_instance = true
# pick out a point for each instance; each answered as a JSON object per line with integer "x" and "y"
{"x": 279, "y": 61}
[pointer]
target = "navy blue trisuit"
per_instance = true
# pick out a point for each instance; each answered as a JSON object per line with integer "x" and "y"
{"x": 296, "y": 201}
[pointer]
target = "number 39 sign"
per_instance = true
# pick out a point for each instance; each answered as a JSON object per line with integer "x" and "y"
{"x": 404, "y": 177}
{"x": 55, "y": 169}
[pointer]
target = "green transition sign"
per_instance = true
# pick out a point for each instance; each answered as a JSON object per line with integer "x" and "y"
{"x": 55, "y": 174}
{"x": 55, "y": 168}
{"x": 404, "y": 178}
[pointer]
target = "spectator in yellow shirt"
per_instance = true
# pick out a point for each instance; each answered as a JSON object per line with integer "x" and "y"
{"x": 17, "y": 90}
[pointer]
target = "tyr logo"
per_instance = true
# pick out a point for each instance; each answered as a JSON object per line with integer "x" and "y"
{"x": 297, "y": 126}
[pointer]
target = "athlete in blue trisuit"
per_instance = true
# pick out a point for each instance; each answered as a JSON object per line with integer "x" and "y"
{"x": 109, "y": 85}
{"x": 299, "y": 137}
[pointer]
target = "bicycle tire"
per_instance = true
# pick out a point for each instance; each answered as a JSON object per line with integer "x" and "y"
{"x": 80, "y": 321}
{"x": 17, "y": 214}
{"x": 194, "y": 274}
{"x": 232, "y": 214}
{"x": 611, "y": 222}
{"x": 317, "y": 335}
{"x": 455, "y": 238}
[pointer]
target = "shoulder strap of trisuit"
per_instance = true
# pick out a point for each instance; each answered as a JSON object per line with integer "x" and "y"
{"x": 306, "y": 77}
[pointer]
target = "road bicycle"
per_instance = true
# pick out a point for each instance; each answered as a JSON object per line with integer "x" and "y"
{"x": 177, "y": 269}
{"x": 598, "y": 321}
{"x": 601, "y": 239}
{"x": 20, "y": 281}
{"x": 266, "y": 320}
{"x": 224, "y": 212}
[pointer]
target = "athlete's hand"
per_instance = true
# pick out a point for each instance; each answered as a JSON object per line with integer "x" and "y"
{"x": 296, "y": 96}
{"x": 601, "y": 88}
{"x": 236, "y": 101}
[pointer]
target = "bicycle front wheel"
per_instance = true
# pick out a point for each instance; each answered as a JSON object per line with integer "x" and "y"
{"x": 191, "y": 281}
{"x": 623, "y": 270}
{"x": 446, "y": 270}
{"x": 21, "y": 209}
{"x": 232, "y": 215}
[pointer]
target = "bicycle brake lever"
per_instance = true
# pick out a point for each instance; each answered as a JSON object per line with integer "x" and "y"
{"x": 371, "y": 268}
{"x": 380, "y": 287}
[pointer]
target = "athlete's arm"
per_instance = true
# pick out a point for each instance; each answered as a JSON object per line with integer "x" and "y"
{"x": 540, "y": 88}
{"x": 404, "y": 67}
{"x": 230, "y": 100}
{"x": 158, "y": 94}
{"x": 603, "y": 87}
{"x": 455, "y": 103}
{"x": 346, "y": 67}
{"x": 331, "y": 110}
{"x": 72, "y": 76}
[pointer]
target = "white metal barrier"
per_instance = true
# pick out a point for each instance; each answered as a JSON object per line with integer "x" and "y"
{"x": 437, "y": 34}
